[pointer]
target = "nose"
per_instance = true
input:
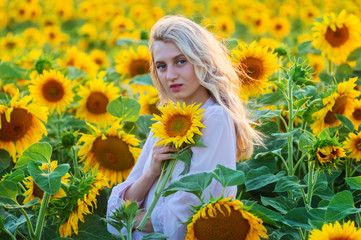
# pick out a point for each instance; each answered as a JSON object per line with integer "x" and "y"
{"x": 171, "y": 73}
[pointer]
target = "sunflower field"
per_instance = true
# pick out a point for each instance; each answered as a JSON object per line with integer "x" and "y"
{"x": 77, "y": 99}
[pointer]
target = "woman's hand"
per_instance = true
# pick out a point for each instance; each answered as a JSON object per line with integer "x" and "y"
{"x": 148, "y": 228}
{"x": 160, "y": 154}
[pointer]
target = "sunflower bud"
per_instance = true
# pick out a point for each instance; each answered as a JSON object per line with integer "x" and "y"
{"x": 68, "y": 139}
{"x": 43, "y": 64}
{"x": 280, "y": 51}
{"x": 144, "y": 35}
{"x": 298, "y": 74}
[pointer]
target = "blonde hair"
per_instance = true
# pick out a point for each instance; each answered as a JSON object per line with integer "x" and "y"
{"x": 214, "y": 69}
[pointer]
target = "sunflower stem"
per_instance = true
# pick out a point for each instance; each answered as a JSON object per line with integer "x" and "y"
{"x": 301, "y": 233}
{"x": 9, "y": 233}
{"x": 30, "y": 226}
{"x": 41, "y": 217}
{"x": 330, "y": 67}
{"x": 348, "y": 167}
{"x": 290, "y": 127}
{"x": 74, "y": 150}
{"x": 353, "y": 172}
{"x": 157, "y": 194}
{"x": 358, "y": 219}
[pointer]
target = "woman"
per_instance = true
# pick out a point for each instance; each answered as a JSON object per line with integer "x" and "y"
{"x": 188, "y": 65}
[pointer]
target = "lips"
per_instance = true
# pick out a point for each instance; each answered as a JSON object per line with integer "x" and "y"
{"x": 175, "y": 87}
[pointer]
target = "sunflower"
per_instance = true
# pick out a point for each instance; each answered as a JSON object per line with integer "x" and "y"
{"x": 308, "y": 13}
{"x": 259, "y": 23}
{"x": 54, "y": 36}
{"x": 353, "y": 146}
{"x": 339, "y": 102}
{"x": 280, "y": 27}
{"x": 177, "y": 125}
{"x": 355, "y": 115}
{"x": 317, "y": 64}
{"x": 225, "y": 25}
{"x": 258, "y": 65}
{"x": 115, "y": 153}
{"x": 225, "y": 219}
{"x": 84, "y": 206}
{"x": 100, "y": 58}
{"x": 337, "y": 36}
{"x": 21, "y": 124}
{"x": 33, "y": 191}
{"x": 328, "y": 154}
{"x": 53, "y": 90}
{"x": 96, "y": 94}
{"x": 132, "y": 63}
{"x": 4, "y": 18}
{"x": 148, "y": 102}
{"x": 334, "y": 231}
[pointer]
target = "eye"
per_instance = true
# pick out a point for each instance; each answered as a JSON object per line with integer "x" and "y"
{"x": 161, "y": 66}
{"x": 181, "y": 61}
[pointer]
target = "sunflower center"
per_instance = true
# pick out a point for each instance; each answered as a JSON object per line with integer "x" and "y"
{"x": 37, "y": 192}
{"x": 178, "y": 125}
{"x": 139, "y": 66}
{"x": 19, "y": 125}
{"x": 357, "y": 114}
{"x": 232, "y": 227}
{"x": 97, "y": 103}
{"x": 258, "y": 22}
{"x": 98, "y": 61}
{"x": 278, "y": 27}
{"x": 10, "y": 45}
{"x": 338, "y": 108}
{"x": 112, "y": 153}
{"x": 53, "y": 91}
{"x": 358, "y": 144}
{"x": 254, "y": 69}
{"x": 338, "y": 37}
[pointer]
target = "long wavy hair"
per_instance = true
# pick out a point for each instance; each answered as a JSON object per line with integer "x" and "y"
{"x": 214, "y": 69}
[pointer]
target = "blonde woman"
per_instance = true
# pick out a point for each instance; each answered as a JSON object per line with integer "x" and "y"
{"x": 188, "y": 65}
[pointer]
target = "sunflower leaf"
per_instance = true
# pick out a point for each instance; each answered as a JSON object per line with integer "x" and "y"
{"x": 299, "y": 217}
{"x": 346, "y": 122}
{"x": 5, "y": 159}
{"x": 154, "y": 236}
{"x": 48, "y": 182}
{"x": 341, "y": 205}
{"x": 185, "y": 156}
{"x": 260, "y": 177}
{"x": 228, "y": 177}
{"x": 16, "y": 176}
{"x": 143, "y": 80}
{"x": 354, "y": 182}
{"x": 288, "y": 183}
{"x": 198, "y": 141}
{"x": 11, "y": 204}
{"x": 8, "y": 189}
{"x": 125, "y": 108}
{"x": 38, "y": 152}
{"x": 354, "y": 55}
{"x": 194, "y": 183}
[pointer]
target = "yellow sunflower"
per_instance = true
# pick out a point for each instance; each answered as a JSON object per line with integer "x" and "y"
{"x": 177, "y": 125}
{"x": 96, "y": 94}
{"x": 337, "y": 36}
{"x": 259, "y": 23}
{"x": 33, "y": 191}
{"x": 225, "y": 25}
{"x": 100, "y": 58}
{"x": 309, "y": 12}
{"x": 114, "y": 153}
{"x": 89, "y": 201}
{"x": 355, "y": 115}
{"x": 258, "y": 64}
{"x": 353, "y": 146}
{"x": 340, "y": 102}
{"x": 21, "y": 125}
{"x": 132, "y": 63}
{"x": 335, "y": 231}
{"x": 328, "y": 154}
{"x": 53, "y": 90}
{"x": 225, "y": 219}
{"x": 317, "y": 64}
{"x": 148, "y": 102}
{"x": 280, "y": 27}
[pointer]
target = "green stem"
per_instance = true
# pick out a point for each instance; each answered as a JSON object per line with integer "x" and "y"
{"x": 30, "y": 226}
{"x": 129, "y": 232}
{"x": 74, "y": 150}
{"x": 359, "y": 219}
{"x": 299, "y": 162}
{"x": 290, "y": 128}
{"x": 157, "y": 194}
{"x": 348, "y": 167}
{"x": 9, "y": 233}
{"x": 329, "y": 67}
{"x": 353, "y": 172}
{"x": 41, "y": 217}
{"x": 301, "y": 233}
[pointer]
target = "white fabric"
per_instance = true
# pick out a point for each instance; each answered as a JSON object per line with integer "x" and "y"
{"x": 170, "y": 212}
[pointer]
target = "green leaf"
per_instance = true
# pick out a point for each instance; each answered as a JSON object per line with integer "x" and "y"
{"x": 5, "y": 159}
{"x": 230, "y": 44}
{"x": 301, "y": 102}
{"x": 144, "y": 123}
{"x": 341, "y": 205}
{"x": 305, "y": 141}
{"x": 288, "y": 183}
{"x": 154, "y": 236}
{"x": 125, "y": 108}
{"x": 285, "y": 135}
{"x": 299, "y": 217}
{"x": 11, "y": 204}
{"x": 8, "y": 189}
{"x": 354, "y": 182}
{"x": 143, "y": 80}
{"x": 267, "y": 215}
{"x": 228, "y": 177}
{"x": 75, "y": 73}
{"x": 194, "y": 183}
{"x": 8, "y": 70}
{"x": 354, "y": 55}
{"x": 346, "y": 122}
{"x": 343, "y": 71}
{"x": 11, "y": 223}
{"x": 185, "y": 156}
{"x": 280, "y": 203}
{"x": 198, "y": 141}
{"x": 260, "y": 177}
{"x": 93, "y": 228}
{"x": 16, "y": 176}
{"x": 280, "y": 86}
{"x": 48, "y": 182}
{"x": 37, "y": 152}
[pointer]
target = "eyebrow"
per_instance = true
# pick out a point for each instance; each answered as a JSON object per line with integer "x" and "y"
{"x": 175, "y": 57}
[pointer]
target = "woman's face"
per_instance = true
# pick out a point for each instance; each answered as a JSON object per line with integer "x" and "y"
{"x": 177, "y": 75}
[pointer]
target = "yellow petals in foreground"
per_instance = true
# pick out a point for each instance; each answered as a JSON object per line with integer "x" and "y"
{"x": 335, "y": 232}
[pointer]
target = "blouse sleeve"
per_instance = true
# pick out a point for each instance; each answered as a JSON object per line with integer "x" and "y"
{"x": 219, "y": 138}
{"x": 117, "y": 195}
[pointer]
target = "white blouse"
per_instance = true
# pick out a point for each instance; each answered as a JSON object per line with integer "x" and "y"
{"x": 170, "y": 212}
